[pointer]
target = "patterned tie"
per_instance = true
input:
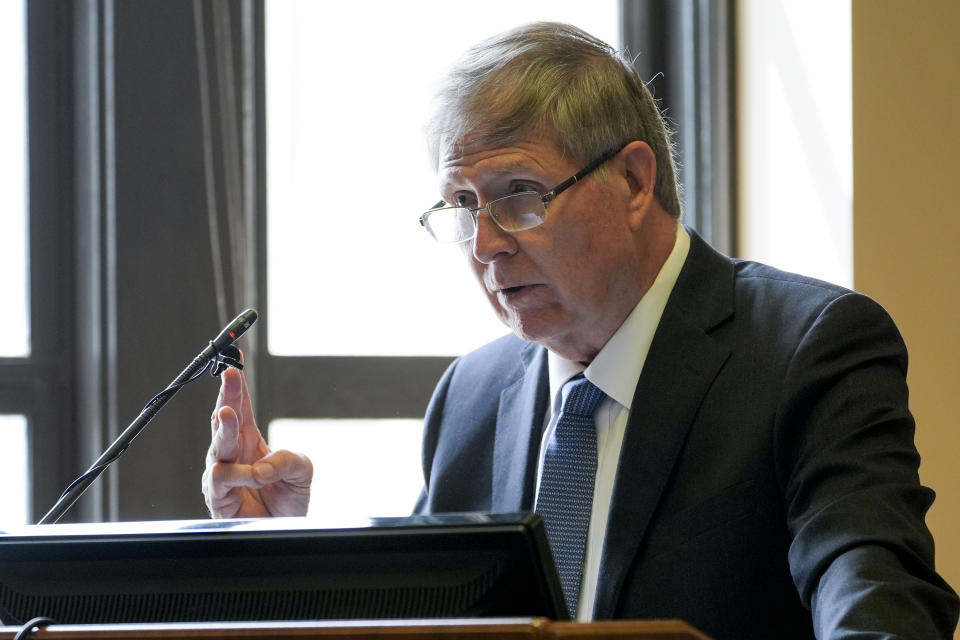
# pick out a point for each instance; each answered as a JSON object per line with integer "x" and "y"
{"x": 565, "y": 499}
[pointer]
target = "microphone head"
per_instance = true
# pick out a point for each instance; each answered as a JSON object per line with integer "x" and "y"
{"x": 234, "y": 330}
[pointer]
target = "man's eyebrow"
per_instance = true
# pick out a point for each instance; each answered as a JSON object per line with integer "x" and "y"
{"x": 514, "y": 167}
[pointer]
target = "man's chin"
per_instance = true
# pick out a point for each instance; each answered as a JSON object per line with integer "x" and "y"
{"x": 531, "y": 327}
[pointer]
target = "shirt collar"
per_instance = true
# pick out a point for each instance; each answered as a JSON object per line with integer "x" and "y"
{"x": 616, "y": 368}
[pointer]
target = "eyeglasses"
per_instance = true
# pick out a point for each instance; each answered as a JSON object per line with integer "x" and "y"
{"x": 516, "y": 212}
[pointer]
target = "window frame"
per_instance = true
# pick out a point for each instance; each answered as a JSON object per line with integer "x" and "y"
{"x": 40, "y": 385}
{"x": 399, "y": 387}
{"x": 120, "y": 303}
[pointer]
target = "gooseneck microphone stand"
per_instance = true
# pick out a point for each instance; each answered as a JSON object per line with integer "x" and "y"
{"x": 220, "y": 352}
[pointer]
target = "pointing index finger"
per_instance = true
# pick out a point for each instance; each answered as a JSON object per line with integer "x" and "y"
{"x": 225, "y": 443}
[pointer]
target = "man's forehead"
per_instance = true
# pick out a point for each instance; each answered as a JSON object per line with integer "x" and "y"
{"x": 527, "y": 154}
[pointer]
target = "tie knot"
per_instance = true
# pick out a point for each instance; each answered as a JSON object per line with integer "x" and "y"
{"x": 581, "y": 397}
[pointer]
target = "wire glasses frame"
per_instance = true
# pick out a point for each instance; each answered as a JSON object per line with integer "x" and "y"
{"x": 512, "y": 213}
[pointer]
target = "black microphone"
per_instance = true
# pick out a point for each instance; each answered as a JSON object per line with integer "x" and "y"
{"x": 218, "y": 354}
{"x": 234, "y": 330}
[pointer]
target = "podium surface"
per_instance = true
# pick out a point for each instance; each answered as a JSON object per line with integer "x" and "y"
{"x": 481, "y": 629}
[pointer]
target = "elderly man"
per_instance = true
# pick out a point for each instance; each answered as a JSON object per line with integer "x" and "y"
{"x": 706, "y": 438}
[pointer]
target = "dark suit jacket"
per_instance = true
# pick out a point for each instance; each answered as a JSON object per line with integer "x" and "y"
{"x": 767, "y": 486}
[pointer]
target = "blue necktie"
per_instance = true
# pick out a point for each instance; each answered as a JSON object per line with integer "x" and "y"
{"x": 565, "y": 499}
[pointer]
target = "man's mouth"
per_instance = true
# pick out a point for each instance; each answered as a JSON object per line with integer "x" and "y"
{"x": 510, "y": 288}
{"x": 517, "y": 293}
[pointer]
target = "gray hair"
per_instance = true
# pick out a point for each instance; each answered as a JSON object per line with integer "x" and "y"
{"x": 555, "y": 79}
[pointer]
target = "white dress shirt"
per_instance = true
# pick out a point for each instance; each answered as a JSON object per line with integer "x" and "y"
{"x": 616, "y": 371}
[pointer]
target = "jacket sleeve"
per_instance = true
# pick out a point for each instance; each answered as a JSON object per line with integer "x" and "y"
{"x": 861, "y": 555}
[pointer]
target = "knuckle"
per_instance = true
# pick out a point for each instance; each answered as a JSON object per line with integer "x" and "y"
{"x": 217, "y": 473}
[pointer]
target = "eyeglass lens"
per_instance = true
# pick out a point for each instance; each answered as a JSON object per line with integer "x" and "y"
{"x": 516, "y": 212}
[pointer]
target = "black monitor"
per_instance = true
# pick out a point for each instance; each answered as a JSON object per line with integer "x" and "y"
{"x": 444, "y": 566}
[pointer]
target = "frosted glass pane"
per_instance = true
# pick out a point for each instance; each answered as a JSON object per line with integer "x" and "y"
{"x": 796, "y": 136}
{"x": 362, "y": 468}
{"x": 348, "y": 175}
{"x": 14, "y": 335}
{"x": 13, "y": 472}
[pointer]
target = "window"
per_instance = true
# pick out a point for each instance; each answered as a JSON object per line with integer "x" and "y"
{"x": 150, "y": 119}
{"x": 15, "y": 319}
{"x": 349, "y": 486}
{"x": 348, "y": 176}
{"x": 14, "y": 336}
{"x": 796, "y": 141}
{"x": 14, "y": 500}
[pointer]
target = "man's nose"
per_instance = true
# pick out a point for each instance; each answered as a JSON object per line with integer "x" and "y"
{"x": 491, "y": 241}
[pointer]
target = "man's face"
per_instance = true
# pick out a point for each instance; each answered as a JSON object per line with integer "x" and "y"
{"x": 569, "y": 283}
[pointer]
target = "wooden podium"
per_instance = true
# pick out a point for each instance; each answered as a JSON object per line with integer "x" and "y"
{"x": 424, "y": 577}
{"x": 480, "y": 629}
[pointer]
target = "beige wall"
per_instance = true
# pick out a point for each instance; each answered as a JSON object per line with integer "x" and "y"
{"x": 906, "y": 220}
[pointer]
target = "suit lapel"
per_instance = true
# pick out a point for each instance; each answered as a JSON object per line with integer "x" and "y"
{"x": 517, "y": 441}
{"x": 681, "y": 366}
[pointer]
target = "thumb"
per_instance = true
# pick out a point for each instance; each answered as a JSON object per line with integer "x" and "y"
{"x": 284, "y": 466}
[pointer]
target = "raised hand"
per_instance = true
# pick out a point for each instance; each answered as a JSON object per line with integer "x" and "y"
{"x": 243, "y": 477}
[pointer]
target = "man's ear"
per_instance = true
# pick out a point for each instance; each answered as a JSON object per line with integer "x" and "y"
{"x": 640, "y": 171}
